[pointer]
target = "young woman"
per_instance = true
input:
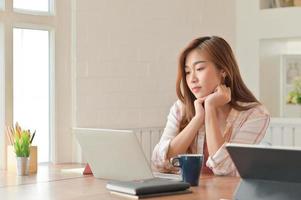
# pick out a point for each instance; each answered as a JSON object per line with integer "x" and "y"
{"x": 214, "y": 107}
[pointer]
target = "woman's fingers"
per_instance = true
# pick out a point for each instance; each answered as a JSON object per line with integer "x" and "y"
{"x": 202, "y": 99}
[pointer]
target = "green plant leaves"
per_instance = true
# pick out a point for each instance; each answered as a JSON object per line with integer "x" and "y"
{"x": 22, "y": 144}
{"x": 294, "y": 96}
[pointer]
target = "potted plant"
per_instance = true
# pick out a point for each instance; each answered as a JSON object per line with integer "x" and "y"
{"x": 22, "y": 142}
{"x": 294, "y": 96}
{"x": 20, "y": 146}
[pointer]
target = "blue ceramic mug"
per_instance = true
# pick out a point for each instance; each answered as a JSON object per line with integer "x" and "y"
{"x": 191, "y": 166}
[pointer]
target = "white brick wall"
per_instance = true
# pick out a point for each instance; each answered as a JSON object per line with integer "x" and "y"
{"x": 127, "y": 56}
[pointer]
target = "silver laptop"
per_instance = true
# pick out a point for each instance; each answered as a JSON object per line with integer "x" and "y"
{"x": 115, "y": 154}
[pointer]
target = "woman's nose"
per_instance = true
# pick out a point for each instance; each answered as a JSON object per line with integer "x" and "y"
{"x": 193, "y": 78}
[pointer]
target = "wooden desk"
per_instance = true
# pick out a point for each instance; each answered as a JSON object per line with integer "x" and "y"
{"x": 63, "y": 182}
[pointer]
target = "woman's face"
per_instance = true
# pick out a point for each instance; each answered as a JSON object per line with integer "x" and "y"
{"x": 202, "y": 76}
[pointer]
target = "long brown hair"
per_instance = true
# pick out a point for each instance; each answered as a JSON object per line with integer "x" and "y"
{"x": 220, "y": 53}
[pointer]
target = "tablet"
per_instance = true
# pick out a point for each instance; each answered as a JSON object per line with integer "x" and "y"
{"x": 268, "y": 172}
{"x": 273, "y": 163}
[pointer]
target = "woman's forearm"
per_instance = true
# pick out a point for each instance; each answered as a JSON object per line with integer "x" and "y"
{"x": 213, "y": 133}
{"x": 184, "y": 139}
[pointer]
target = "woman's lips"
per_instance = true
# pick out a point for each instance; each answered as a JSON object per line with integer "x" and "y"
{"x": 196, "y": 89}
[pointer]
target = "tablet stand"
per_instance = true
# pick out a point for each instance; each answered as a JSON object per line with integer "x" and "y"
{"x": 250, "y": 189}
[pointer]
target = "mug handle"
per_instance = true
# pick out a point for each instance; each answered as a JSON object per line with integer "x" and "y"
{"x": 175, "y": 162}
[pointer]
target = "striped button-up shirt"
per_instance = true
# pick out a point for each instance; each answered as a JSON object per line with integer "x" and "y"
{"x": 246, "y": 127}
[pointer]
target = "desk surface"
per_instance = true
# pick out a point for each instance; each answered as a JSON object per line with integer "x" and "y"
{"x": 66, "y": 182}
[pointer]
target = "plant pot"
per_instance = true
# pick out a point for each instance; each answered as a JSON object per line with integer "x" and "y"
{"x": 12, "y": 161}
{"x": 22, "y": 166}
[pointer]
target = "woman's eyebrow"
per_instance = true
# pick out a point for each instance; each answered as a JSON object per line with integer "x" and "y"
{"x": 196, "y": 62}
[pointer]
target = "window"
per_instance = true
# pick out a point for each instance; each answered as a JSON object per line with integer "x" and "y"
{"x": 1, "y": 4}
{"x": 33, "y": 5}
{"x": 31, "y": 85}
{"x": 27, "y": 47}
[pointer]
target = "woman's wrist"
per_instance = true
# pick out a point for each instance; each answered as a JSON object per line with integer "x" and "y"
{"x": 209, "y": 106}
{"x": 198, "y": 120}
{"x": 210, "y": 109}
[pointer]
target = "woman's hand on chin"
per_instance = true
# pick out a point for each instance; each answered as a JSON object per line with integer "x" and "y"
{"x": 199, "y": 108}
{"x": 221, "y": 96}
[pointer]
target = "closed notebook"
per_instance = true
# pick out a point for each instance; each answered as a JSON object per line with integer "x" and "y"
{"x": 147, "y": 186}
{"x": 144, "y": 196}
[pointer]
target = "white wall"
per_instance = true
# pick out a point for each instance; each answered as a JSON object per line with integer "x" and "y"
{"x": 253, "y": 25}
{"x": 270, "y": 53}
{"x": 126, "y": 56}
{"x": 63, "y": 85}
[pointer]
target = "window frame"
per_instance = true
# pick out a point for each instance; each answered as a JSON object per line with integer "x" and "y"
{"x": 51, "y": 33}
{"x": 10, "y": 19}
{"x": 50, "y": 12}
